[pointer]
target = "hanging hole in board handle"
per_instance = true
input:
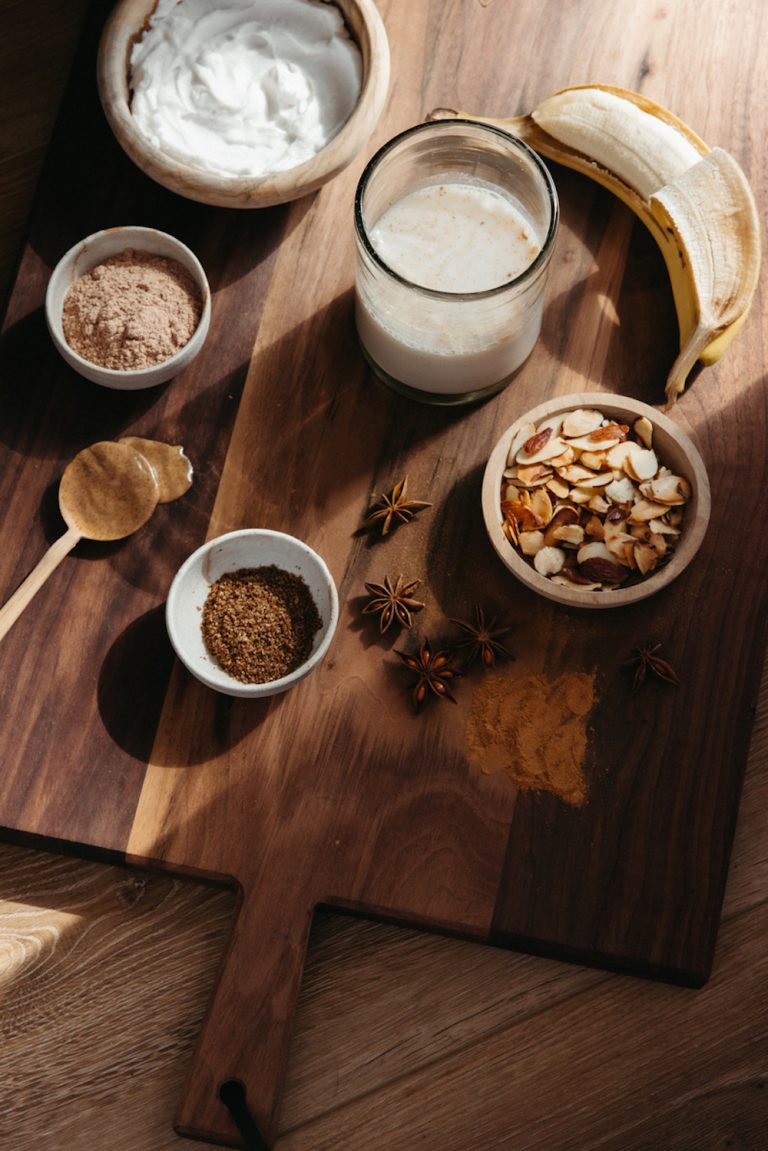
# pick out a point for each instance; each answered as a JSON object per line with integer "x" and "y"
{"x": 232, "y": 1094}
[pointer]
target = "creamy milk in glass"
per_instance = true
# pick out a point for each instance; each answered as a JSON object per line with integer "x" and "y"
{"x": 455, "y": 225}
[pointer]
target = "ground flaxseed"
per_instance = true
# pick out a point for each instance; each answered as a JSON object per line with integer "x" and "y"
{"x": 259, "y": 623}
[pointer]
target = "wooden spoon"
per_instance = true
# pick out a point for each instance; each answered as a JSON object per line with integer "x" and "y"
{"x": 107, "y": 492}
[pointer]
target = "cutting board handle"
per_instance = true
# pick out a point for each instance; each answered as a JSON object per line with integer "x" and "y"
{"x": 247, "y": 1031}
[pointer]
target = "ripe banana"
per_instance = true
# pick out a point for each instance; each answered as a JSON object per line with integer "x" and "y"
{"x": 695, "y": 201}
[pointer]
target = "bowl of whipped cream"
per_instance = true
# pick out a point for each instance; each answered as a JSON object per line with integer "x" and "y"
{"x": 243, "y": 103}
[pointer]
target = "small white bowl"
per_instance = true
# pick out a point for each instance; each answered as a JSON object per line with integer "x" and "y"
{"x": 247, "y": 548}
{"x": 673, "y": 448}
{"x": 125, "y": 25}
{"x": 94, "y": 250}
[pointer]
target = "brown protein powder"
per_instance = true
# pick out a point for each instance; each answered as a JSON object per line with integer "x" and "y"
{"x": 132, "y": 311}
{"x": 259, "y": 623}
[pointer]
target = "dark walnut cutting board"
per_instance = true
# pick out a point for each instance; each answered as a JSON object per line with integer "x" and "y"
{"x": 337, "y": 793}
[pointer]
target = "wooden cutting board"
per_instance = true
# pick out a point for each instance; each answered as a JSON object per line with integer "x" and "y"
{"x": 338, "y": 793}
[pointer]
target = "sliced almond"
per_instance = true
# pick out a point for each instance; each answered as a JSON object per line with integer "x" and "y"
{"x": 572, "y": 535}
{"x": 526, "y": 519}
{"x": 567, "y": 580}
{"x": 559, "y": 488}
{"x": 613, "y": 528}
{"x": 561, "y": 517}
{"x": 667, "y": 489}
{"x": 643, "y": 429}
{"x": 595, "y": 549}
{"x": 566, "y": 514}
{"x": 641, "y": 464}
{"x": 601, "y": 438}
{"x": 616, "y": 540}
{"x": 581, "y": 422}
{"x": 662, "y": 528}
{"x": 540, "y": 447}
{"x": 607, "y": 571}
{"x": 562, "y": 461}
{"x": 531, "y": 542}
{"x": 646, "y": 558}
{"x": 575, "y": 473}
{"x": 616, "y": 455}
{"x": 596, "y": 461}
{"x": 541, "y": 505}
{"x": 521, "y": 435}
{"x": 621, "y": 491}
{"x": 645, "y": 510}
{"x": 510, "y": 531}
{"x": 597, "y": 480}
{"x": 594, "y": 527}
{"x": 549, "y": 561}
{"x": 659, "y": 543}
{"x": 533, "y": 475}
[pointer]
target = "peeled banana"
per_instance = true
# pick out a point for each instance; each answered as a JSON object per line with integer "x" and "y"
{"x": 696, "y": 202}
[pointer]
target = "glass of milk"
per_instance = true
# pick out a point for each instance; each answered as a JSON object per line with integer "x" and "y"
{"x": 455, "y": 225}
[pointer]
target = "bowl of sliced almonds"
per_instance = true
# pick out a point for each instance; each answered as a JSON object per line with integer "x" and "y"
{"x": 595, "y": 500}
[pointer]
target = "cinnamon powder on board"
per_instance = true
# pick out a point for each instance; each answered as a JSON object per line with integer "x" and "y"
{"x": 534, "y": 730}
{"x": 132, "y": 311}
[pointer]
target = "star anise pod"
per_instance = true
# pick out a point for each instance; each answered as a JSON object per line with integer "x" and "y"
{"x": 646, "y": 658}
{"x": 394, "y": 507}
{"x": 393, "y": 602}
{"x": 483, "y": 640}
{"x": 434, "y": 671}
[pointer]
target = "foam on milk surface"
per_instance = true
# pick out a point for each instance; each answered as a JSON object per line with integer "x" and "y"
{"x": 457, "y": 237}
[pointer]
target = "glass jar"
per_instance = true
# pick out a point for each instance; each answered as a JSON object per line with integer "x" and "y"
{"x": 441, "y": 340}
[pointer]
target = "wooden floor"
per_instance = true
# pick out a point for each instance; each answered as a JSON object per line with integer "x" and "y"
{"x": 402, "y": 1040}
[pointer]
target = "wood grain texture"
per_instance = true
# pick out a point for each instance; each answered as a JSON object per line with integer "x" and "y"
{"x": 90, "y": 1013}
{"x": 304, "y": 335}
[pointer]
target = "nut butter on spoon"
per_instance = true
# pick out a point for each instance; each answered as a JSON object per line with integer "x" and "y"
{"x": 107, "y": 492}
{"x": 172, "y": 468}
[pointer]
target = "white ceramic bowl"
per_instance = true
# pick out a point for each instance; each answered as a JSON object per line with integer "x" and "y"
{"x": 92, "y": 251}
{"x": 673, "y": 448}
{"x": 125, "y": 25}
{"x": 247, "y": 548}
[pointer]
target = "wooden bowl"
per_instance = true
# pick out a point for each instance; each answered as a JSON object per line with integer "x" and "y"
{"x": 124, "y": 27}
{"x": 673, "y": 448}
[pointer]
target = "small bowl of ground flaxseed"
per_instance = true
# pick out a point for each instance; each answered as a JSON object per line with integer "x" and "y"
{"x": 128, "y": 307}
{"x": 252, "y": 612}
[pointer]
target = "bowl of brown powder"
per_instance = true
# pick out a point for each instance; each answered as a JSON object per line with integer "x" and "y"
{"x": 128, "y": 307}
{"x": 252, "y": 612}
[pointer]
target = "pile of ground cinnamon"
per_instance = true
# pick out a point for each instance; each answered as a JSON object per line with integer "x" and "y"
{"x": 534, "y": 730}
{"x": 132, "y": 311}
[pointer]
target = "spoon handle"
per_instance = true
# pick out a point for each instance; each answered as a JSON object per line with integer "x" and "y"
{"x": 25, "y": 592}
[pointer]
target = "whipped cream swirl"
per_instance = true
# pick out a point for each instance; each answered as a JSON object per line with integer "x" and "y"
{"x": 244, "y": 87}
